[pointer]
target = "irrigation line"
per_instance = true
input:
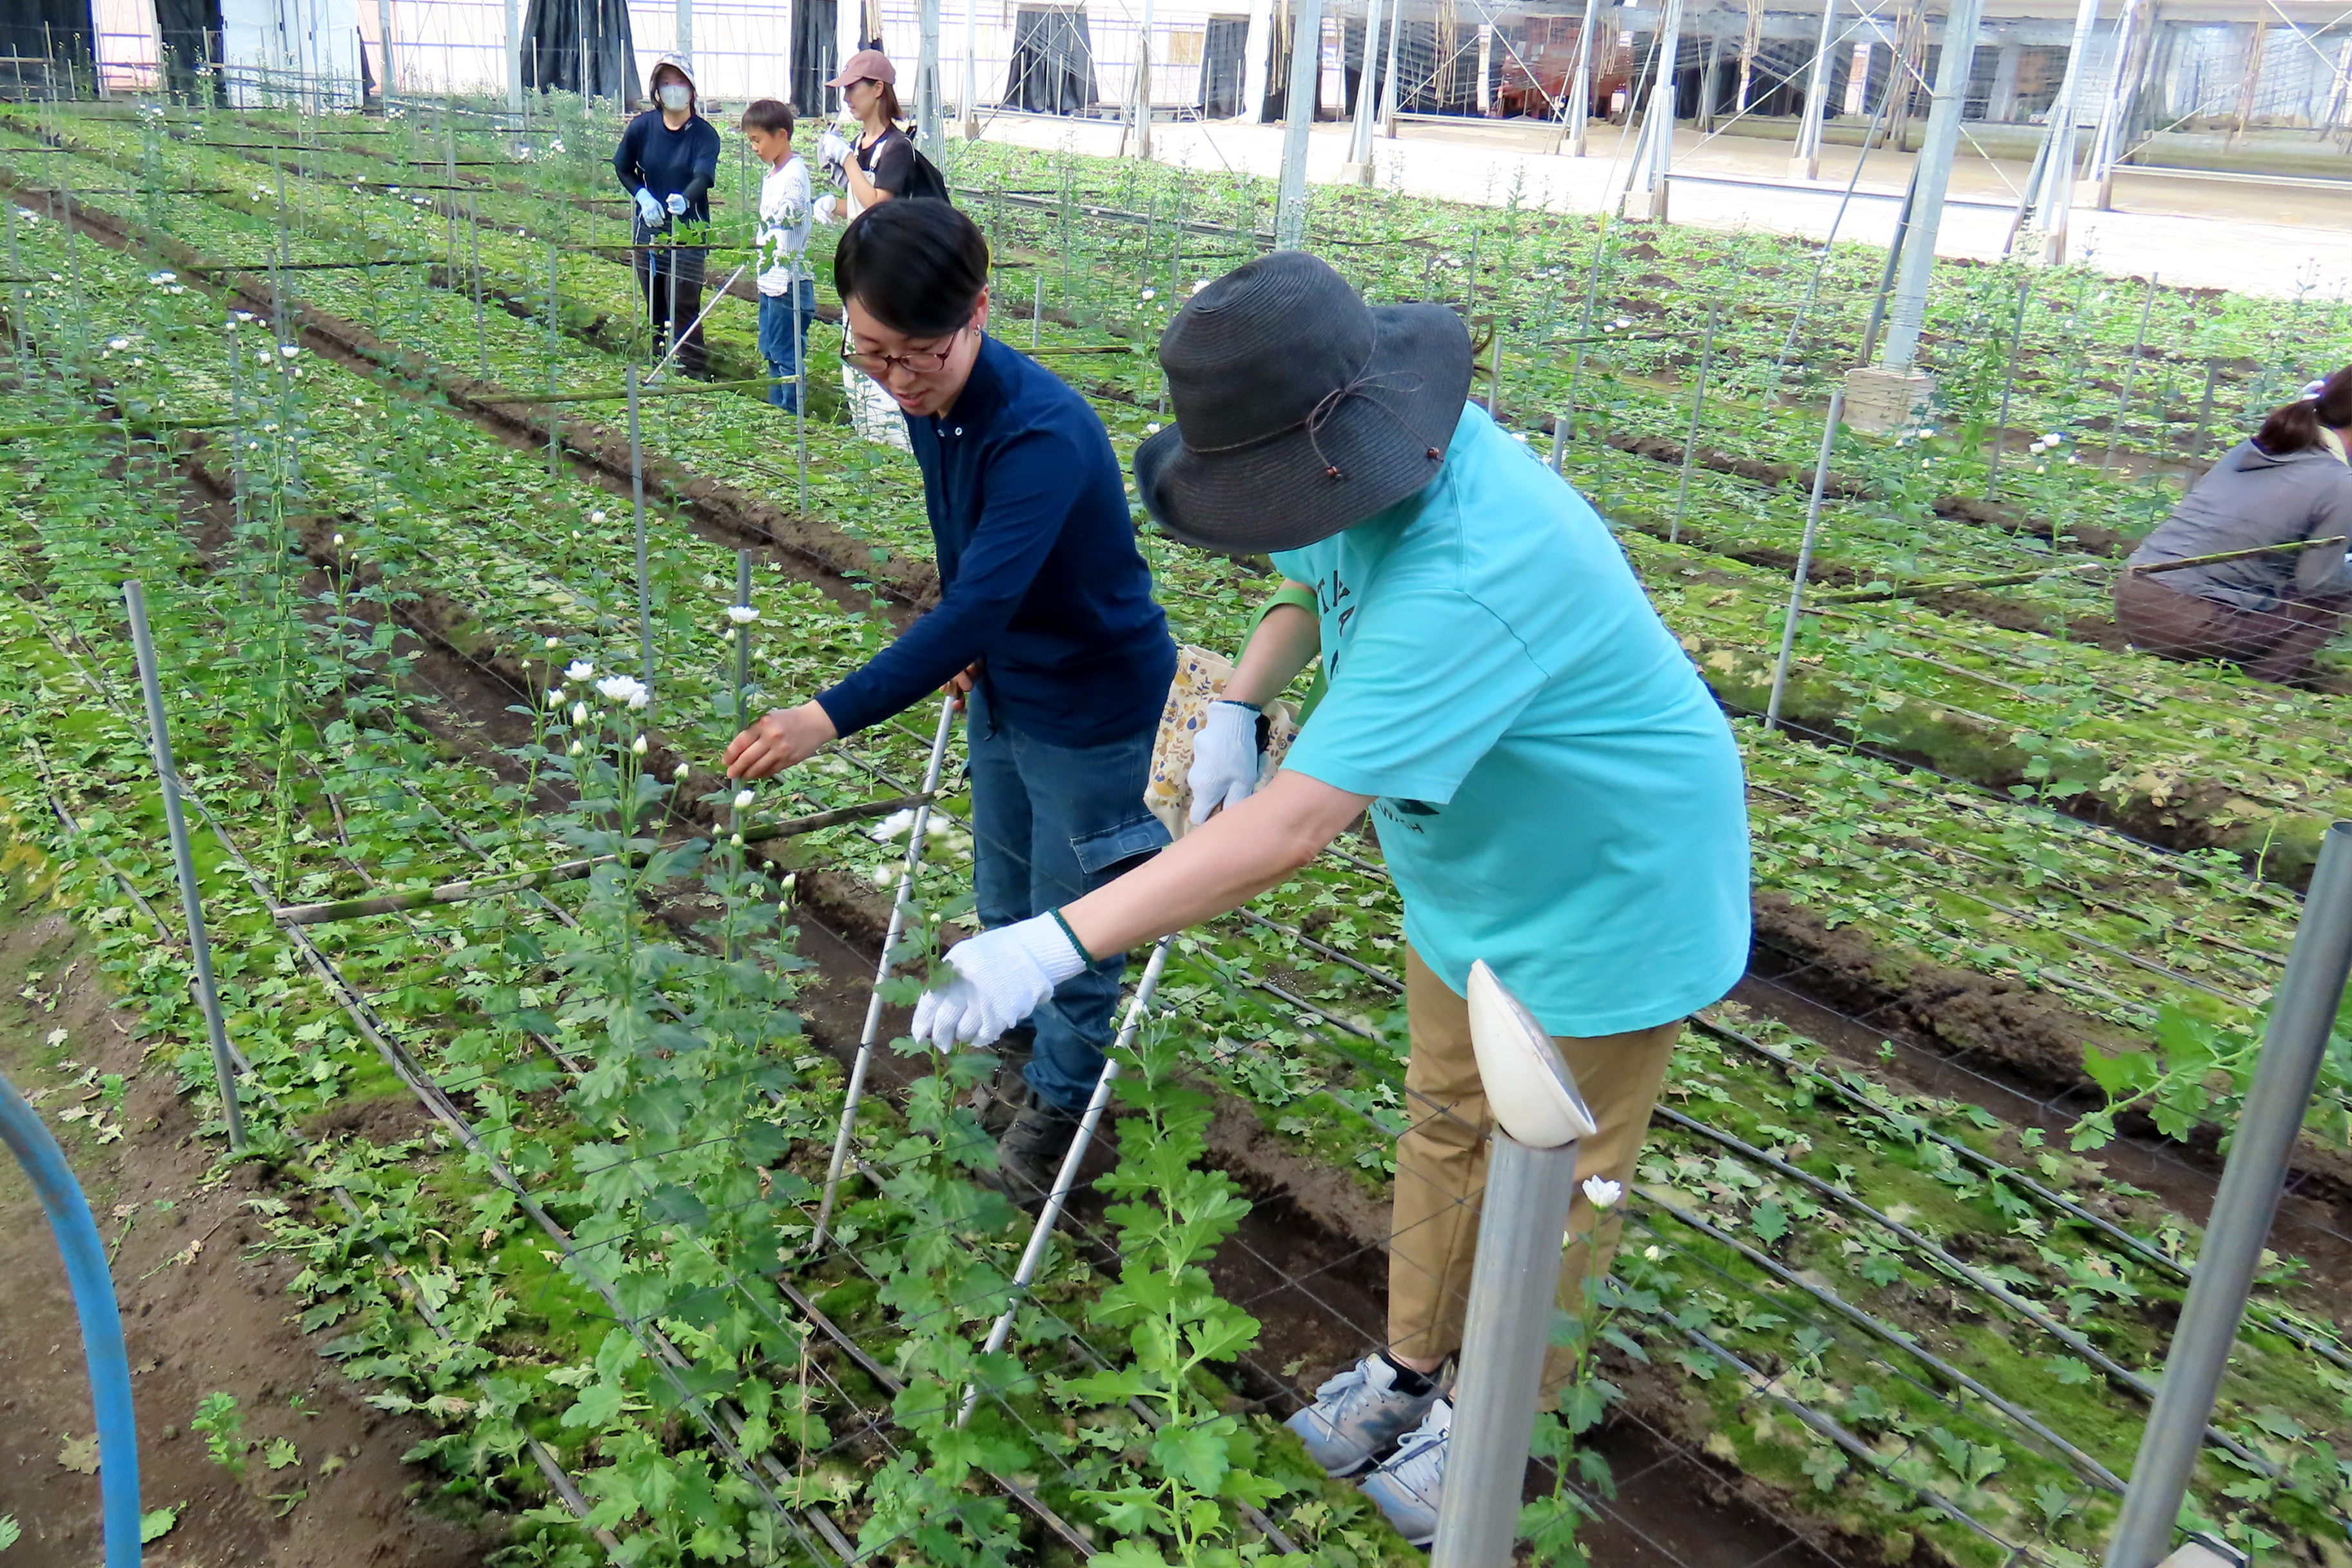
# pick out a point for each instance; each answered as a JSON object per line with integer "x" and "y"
{"x": 2090, "y": 1468}
{"x": 1908, "y": 1124}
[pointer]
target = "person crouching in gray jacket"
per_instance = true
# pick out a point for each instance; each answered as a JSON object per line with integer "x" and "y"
{"x": 2267, "y": 613}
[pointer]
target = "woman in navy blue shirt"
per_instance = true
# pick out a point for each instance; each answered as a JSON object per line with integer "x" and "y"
{"x": 1045, "y": 622}
{"x": 667, "y": 160}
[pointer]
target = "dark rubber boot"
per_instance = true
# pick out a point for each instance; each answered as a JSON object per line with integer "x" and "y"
{"x": 1029, "y": 1156}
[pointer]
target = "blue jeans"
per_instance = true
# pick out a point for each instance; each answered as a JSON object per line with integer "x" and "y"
{"x": 1050, "y": 823}
{"x": 784, "y": 352}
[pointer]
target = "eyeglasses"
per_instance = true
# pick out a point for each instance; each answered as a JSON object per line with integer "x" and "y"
{"x": 878, "y": 365}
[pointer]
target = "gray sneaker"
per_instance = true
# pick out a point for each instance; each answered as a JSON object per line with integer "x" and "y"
{"x": 1357, "y": 1415}
{"x": 1410, "y": 1481}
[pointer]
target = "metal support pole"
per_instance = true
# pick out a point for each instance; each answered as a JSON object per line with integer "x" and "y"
{"x": 971, "y": 70}
{"x": 2042, "y": 206}
{"x": 2008, "y": 384}
{"x": 927, "y": 77}
{"x": 1559, "y": 441}
{"x": 1033, "y": 1256}
{"x": 1512, "y": 1291}
{"x": 800, "y": 404}
{"x": 685, "y": 31}
{"x": 2292, "y": 1048}
{"x": 915, "y": 834}
{"x": 1894, "y": 247}
{"x": 2132, "y": 58}
{"x": 1654, "y": 150}
{"x": 1360, "y": 134}
{"x": 1389, "y": 81}
{"x": 2131, "y": 373}
{"x": 1807, "y": 162}
{"x": 2204, "y": 421}
{"x": 514, "y": 66}
{"x": 383, "y": 46}
{"x": 1805, "y": 554}
{"x": 1690, "y": 440}
{"x": 1298, "y": 118}
{"x": 1576, "y": 114}
{"x": 644, "y": 571}
{"x": 1037, "y": 311}
{"x": 1934, "y": 176}
{"x": 1142, "y": 94}
{"x": 183, "y": 861}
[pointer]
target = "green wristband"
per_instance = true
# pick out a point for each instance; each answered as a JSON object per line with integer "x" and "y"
{"x": 1090, "y": 958}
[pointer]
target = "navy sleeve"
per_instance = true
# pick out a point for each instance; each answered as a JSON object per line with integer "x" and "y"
{"x": 626, "y": 156}
{"x": 705, "y": 172}
{"x": 1028, "y": 498}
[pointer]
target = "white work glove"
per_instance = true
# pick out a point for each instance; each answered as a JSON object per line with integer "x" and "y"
{"x": 832, "y": 150}
{"x": 648, "y": 208}
{"x": 1002, "y": 977}
{"x": 825, "y": 206}
{"x": 676, "y": 204}
{"x": 1224, "y": 759}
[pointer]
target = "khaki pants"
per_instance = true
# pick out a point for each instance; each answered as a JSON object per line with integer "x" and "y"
{"x": 1442, "y": 1165}
{"x": 2269, "y": 645}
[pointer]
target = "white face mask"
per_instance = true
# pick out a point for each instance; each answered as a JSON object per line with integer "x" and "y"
{"x": 676, "y": 96}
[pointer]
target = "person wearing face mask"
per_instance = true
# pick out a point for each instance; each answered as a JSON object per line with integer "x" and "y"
{"x": 667, "y": 159}
{"x": 880, "y": 165}
{"x": 2281, "y": 601}
{"x": 1045, "y": 627}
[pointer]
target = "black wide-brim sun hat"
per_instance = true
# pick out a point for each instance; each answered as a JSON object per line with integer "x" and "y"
{"x": 1300, "y": 410}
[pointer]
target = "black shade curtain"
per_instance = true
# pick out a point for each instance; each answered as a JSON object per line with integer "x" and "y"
{"x": 192, "y": 42}
{"x": 1053, "y": 70}
{"x": 1224, "y": 62}
{"x": 814, "y": 57}
{"x": 51, "y": 45}
{"x": 580, "y": 46}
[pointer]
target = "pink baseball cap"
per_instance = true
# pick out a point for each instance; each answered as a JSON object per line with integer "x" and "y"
{"x": 866, "y": 65}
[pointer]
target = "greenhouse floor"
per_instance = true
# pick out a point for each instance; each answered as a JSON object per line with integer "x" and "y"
{"x": 2205, "y": 232}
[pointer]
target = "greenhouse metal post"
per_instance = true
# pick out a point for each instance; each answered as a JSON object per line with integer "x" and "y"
{"x": 1297, "y": 117}
{"x": 1807, "y": 162}
{"x": 970, "y": 71}
{"x": 927, "y": 77}
{"x": 183, "y": 861}
{"x": 1389, "y": 83}
{"x": 1804, "y": 559}
{"x": 686, "y": 31}
{"x": 1934, "y": 176}
{"x": 2043, "y": 205}
{"x": 1690, "y": 437}
{"x": 1576, "y": 115}
{"x": 2292, "y": 1049}
{"x": 1360, "y": 134}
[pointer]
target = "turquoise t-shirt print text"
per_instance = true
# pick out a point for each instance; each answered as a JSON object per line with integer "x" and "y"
{"x": 1556, "y": 791}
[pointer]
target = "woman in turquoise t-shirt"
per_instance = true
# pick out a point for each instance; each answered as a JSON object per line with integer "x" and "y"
{"x": 1554, "y": 789}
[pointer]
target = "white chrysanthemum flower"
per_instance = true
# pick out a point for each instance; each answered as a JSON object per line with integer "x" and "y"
{"x": 893, "y": 825}
{"x": 626, "y": 688}
{"x": 1601, "y": 1192}
{"x": 555, "y": 643}
{"x": 677, "y": 774}
{"x": 742, "y": 614}
{"x": 118, "y": 344}
{"x": 742, "y": 800}
{"x": 1153, "y": 428}
{"x": 1151, "y": 293}
{"x": 1654, "y": 1253}
{"x": 736, "y": 840}
{"x": 288, "y": 351}
{"x": 556, "y": 696}
{"x": 577, "y": 669}
{"x": 595, "y": 516}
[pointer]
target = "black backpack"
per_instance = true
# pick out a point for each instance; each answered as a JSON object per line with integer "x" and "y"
{"x": 924, "y": 179}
